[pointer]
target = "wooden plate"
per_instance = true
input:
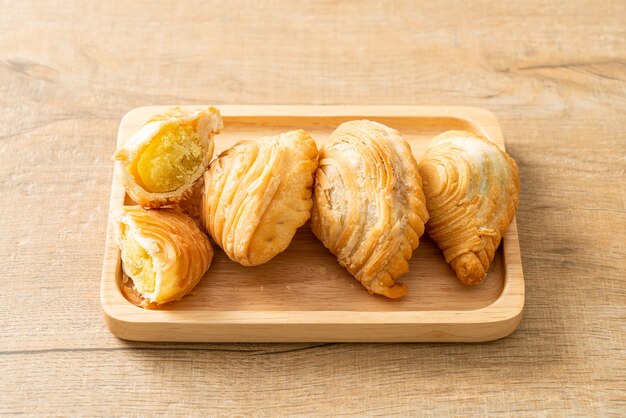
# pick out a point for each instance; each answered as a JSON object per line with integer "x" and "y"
{"x": 303, "y": 294}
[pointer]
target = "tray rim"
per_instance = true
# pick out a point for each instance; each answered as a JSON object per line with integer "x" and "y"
{"x": 494, "y": 321}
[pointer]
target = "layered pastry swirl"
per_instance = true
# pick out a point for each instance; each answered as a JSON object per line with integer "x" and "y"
{"x": 472, "y": 192}
{"x": 163, "y": 251}
{"x": 257, "y": 194}
{"x": 369, "y": 208}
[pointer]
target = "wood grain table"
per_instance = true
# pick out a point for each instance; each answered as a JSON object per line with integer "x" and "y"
{"x": 554, "y": 73}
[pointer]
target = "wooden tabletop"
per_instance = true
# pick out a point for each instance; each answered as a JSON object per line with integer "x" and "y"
{"x": 553, "y": 73}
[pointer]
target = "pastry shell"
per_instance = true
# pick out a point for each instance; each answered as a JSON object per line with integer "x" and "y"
{"x": 472, "y": 192}
{"x": 180, "y": 252}
{"x": 369, "y": 209}
{"x": 206, "y": 122}
{"x": 257, "y": 194}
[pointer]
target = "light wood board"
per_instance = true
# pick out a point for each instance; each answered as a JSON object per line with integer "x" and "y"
{"x": 304, "y": 295}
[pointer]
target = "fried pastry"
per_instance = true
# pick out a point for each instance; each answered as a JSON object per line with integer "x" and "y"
{"x": 472, "y": 191}
{"x": 257, "y": 194}
{"x": 166, "y": 156}
{"x": 164, "y": 252}
{"x": 369, "y": 208}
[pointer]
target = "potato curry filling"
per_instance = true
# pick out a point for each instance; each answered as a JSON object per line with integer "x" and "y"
{"x": 137, "y": 263}
{"x": 171, "y": 159}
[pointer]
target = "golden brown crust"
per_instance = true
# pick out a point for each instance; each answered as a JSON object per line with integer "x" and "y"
{"x": 207, "y": 123}
{"x": 161, "y": 202}
{"x": 180, "y": 252}
{"x": 191, "y": 204}
{"x": 257, "y": 194}
{"x": 472, "y": 192}
{"x": 131, "y": 294}
{"x": 369, "y": 209}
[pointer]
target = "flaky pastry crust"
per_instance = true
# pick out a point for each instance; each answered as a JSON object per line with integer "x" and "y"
{"x": 472, "y": 192}
{"x": 369, "y": 208}
{"x": 257, "y": 194}
{"x": 205, "y": 123}
{"x": 172, "y": 247}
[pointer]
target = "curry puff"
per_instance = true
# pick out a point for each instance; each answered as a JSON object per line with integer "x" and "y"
{"x": 257, "y": 194}
{"x": 163, "y": 251}
{"x": 472, "y": 192}
{"x": 165, "y": 157}
{"x": 369, "y": 208}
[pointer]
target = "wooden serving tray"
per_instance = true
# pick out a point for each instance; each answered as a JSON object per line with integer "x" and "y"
{"x": 303, "y": 294}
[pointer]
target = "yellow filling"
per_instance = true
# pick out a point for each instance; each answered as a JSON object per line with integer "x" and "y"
{"x": 137, "y": 263}
{"x": 171, "y": 158}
